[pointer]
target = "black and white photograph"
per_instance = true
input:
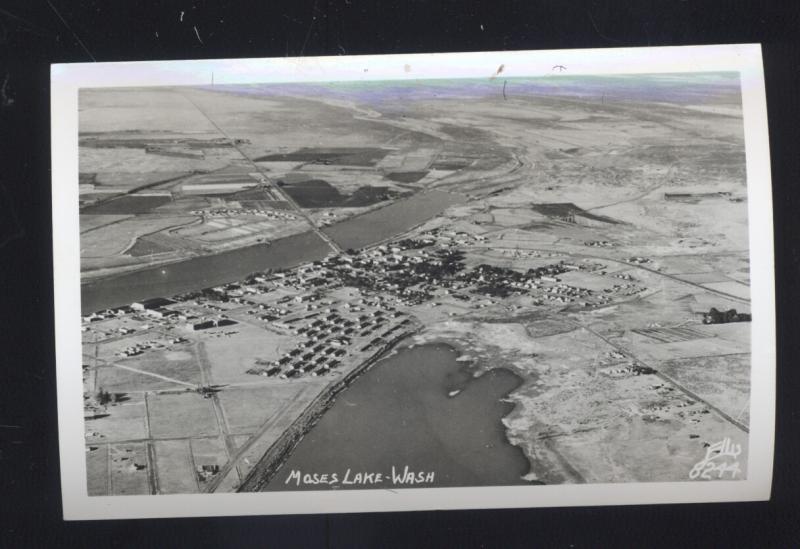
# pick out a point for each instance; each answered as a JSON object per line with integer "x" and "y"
{"x": 435, "y": 281}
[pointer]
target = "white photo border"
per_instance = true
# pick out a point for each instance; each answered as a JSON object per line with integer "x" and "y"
{"x": 67, "y": 79}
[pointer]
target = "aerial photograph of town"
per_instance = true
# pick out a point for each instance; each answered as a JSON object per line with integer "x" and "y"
{"x": 414, "y": 283}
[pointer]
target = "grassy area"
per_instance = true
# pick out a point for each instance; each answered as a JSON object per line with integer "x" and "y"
{"x": 125, "y": 421}
{"x": 185, "y": 414}
{"x": 128, "y": 469}
{"x": 175, "y": 468}
{"x": 248, "y": 408}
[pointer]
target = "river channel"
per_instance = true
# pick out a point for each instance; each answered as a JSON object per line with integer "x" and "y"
{"x": 378, "y": 225}
{"x": 206, "y": 271}
{"x": 201, "y": 272}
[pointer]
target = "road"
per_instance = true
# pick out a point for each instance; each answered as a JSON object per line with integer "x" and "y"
{"x": 234, "y": 459}
{"x": 567, "y": 253}
{"x": 146, "y": 373}
{"x": 298, "y": 210}
{"x": 206, "y": 380}
{"x": 688, "y": 392}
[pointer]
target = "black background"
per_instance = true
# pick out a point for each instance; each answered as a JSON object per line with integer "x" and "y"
{"x": 35, "y": 33}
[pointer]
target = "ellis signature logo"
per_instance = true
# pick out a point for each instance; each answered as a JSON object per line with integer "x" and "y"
{"x": 715, "y": 461}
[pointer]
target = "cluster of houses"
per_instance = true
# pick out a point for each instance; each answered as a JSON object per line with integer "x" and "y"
{"x": 404, "y": 273}
{"x": 502, "y": 281}
{"x": 452, "y": 238}
{"x": 714, "y": 316}
{"x": 564, "y": 293}
{"x": 608, "y": 295}
{"x": 139, "y": 348}
{"x": 155, "y": 310}
{"x": 327, "y": 218}
{"x": 206, "y": 472}
{"x": 232, "y": 212}
{"x": 268, "y": 313}
{"x": 637, "y": 260}
{"x": 625, "y": 369}
{"x": 210, "y": 323}
{"x": 327, "y": 338}
{"x": 408, "y": 279}
{"x": 105, "y": 314}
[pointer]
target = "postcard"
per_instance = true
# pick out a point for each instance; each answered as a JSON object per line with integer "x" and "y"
{"x": 413, "y": 282}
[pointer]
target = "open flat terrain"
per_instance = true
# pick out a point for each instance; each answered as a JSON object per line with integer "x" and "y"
{"x": 575, "y": 232}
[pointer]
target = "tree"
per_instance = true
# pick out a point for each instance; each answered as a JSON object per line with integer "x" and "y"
{"x": 103, "y": 397}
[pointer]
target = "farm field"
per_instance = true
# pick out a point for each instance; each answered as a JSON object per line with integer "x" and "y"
{"x": 579, "y": 250}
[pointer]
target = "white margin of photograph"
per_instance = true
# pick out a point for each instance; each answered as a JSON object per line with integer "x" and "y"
{"x": 66, "y": 79}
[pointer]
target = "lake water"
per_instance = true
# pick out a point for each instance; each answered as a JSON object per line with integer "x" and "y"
{"x": 203, "y": 272}
{"x": 398, "y": 217}
{"x": 400, "y": 413}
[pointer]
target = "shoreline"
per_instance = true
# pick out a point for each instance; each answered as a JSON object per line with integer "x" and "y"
{"x": 101, "y": 278}
{"x": 263, "y": 246}
{"x": 91, "y": 277}
{"x": 471, "y": 366}
{"x": 540, "y": 454}
{"x": 279, "y": 452}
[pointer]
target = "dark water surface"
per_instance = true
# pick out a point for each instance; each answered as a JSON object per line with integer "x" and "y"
{"x": 399, "y": 413}
{"x": 398, "y": 217}
{"x": 201, "y": 272}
